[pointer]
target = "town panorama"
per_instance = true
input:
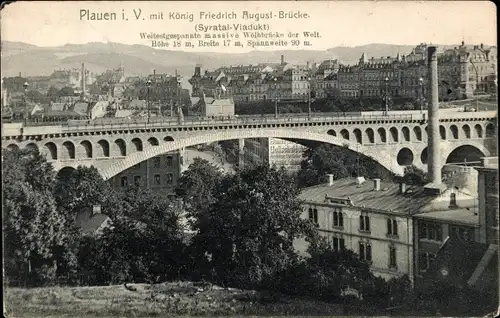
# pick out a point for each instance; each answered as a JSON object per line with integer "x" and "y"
{"x": 366, "y": 188}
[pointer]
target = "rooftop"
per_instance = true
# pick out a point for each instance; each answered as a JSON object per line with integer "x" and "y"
{"x": 463, "y": 216}
{"x": 388, "y": 198}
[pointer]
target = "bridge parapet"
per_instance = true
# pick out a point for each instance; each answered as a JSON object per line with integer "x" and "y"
{"x": 26, "y": 129}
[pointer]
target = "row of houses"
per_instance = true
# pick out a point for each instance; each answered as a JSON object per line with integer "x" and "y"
{"x": 463, "y": 72}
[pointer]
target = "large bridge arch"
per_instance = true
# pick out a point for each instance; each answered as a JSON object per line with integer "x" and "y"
{"x": 132, "y": 159}
{"x": 466, "y": 153}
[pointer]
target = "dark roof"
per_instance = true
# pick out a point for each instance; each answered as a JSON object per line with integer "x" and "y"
{"x": 387, "y": 199}
{"x": 461, "y": 262}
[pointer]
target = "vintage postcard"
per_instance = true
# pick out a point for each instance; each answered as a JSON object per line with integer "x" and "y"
{"x": 249, "y": 158}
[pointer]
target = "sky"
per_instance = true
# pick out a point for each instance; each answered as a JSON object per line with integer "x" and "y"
{"x": 339, "y": 23}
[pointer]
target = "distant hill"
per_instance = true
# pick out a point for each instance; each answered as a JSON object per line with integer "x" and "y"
{"x": 32, "y": 60}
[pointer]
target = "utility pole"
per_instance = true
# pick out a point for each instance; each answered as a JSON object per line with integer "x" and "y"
{"x": 309, "y": 97}
{"x": 421, "y": 82}
{"x": 386, "y": 96}
{"x": 148, "y": 105}
{"x": 477, "y": 84}
{"x": 275, "y": 98}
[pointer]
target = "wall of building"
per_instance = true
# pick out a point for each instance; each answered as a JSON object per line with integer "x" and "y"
{"x": 377, "y": 237}
{"x": 160, "y": 173}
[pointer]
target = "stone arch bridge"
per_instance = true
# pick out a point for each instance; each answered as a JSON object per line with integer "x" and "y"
{"x": 394, "y": 140}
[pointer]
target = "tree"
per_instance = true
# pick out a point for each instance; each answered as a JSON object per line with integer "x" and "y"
{"x": 341, "y": 162}
{"x": 33, "y": 227}
{"x": 248, "y": 230}
{"x": 144, "y": 243}
{"x": 80, "y": 189}
{"x": 66, "y": 91}
{"x": 197, "y": 184}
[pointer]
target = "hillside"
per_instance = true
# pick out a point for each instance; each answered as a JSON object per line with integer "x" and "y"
{"x": 32, "y": 60}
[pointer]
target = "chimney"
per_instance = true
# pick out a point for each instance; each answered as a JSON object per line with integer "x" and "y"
{"x": 330, "y": 179}
{"x": 376, "y": 184}
{"x": 83, "y": 79}
{"x": 482, "y": 46}
{"x": 282, "y": 59}
{"x": 434, "y": 164}
{"x": 402, "y": 188}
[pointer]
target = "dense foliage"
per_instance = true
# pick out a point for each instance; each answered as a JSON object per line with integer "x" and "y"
{"x": 245, "y": 227}
{"x": 338, "y": 161}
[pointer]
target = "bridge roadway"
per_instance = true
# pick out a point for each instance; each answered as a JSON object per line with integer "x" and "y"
{"x": 15, "y": 130}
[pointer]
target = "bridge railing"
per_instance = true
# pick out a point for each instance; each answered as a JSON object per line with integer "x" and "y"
{"x": 200, "y": 122}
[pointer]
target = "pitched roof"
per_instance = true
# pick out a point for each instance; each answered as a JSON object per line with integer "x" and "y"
{"x": 387, "y": 199}
{"x": 57, "y": 106}
{"x": 462, "y": 261}
{"x": 81, "y": 108}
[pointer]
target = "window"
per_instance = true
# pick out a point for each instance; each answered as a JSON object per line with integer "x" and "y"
{"x": 137, "y": 180}
{"x": 124, "y": 181}
{"x": 364, "y": 223}
{"x": 313, "y": 215}
{"x": 157, "y": 179}
{"x": 392, "y": 257}
{"x": 156, "y": 162}
{"x": 365, "y": 251}
{"x": 462, "y": 233}
{"x": 430, "y": 231}
{"x": 338, "y": 243}
{"x": 392, "y": 227}
{"x": 425, "y": 261}
{"x": 338, "y": 218}
{"x": 170, "y": 161}
{"x": 170, "y": 178}
{"x": 453, "y": 200}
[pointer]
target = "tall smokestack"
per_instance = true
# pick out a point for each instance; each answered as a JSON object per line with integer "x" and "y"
{"x": 434, "y": 166}
{"x": 83, "y": 79}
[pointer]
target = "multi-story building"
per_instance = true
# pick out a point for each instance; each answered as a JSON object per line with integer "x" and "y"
{"x": 399, "y": 228}
{"x": 348, "y": 81}
{"x": 378, "y": 75}
{"x": 158, "y": 174}
{"x": 464, "y": 71}
{"x": 273, "y": 151}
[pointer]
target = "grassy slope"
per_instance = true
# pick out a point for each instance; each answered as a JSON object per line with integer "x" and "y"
{"x": 167, "y": 300}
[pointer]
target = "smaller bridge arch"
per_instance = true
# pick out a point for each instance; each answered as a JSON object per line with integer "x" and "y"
{"x": 478, "y": 131}
{"x": 102, "y": 148}
{"x": 13, "y": 147}
{"x": 454, "y": 131}
{"x": 332, "y": 132}
{"x": 466, "y": 130}
{"x": 382, "y": 135}
{"x": 136, "y": 145}
{"x": 424, "y": 156}
{"x": 357, "y": 135}
{"x": 50, "y": 150}
{"x": 406, "y": 134}
{"x": 405, "y": 157}
{"x": 168, "y": 138}
{"x": 394, "y": 134}
{"x": 442, "y": 132}
{"x": 490, "y": 130}
{"x": 345, "y": 134}
{"x": 418, "y": 133}
{"x": 85, "y": 149}
{"x": 31, "y": 147}
{"x": 119, "y": 148}
{"x": 153, "y": 141}
{"x": 370, "y": 135}
{"x": 68, "y": 148}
